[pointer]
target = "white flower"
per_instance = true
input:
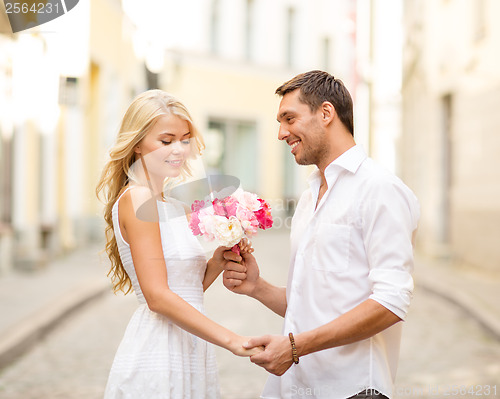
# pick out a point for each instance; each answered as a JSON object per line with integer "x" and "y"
{"x": 228, "y": 231}
{"x": 207, "y": 222}
{"x": 248, "y": 200}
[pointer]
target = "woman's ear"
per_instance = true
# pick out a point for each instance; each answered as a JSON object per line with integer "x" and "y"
{"x": 137, "y": 149}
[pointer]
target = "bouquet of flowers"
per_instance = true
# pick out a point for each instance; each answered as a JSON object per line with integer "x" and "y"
{"x": 230, "y": 219}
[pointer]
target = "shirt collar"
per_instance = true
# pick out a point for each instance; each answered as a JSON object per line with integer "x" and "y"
{"x": 350, "y": 160}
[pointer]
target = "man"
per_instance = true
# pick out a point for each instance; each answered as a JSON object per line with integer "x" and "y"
{"x": 350, "y": 280}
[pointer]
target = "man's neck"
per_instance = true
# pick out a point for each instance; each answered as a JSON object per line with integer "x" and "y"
{"x": 335, "y": 152}
{"x": 322, "y": 188}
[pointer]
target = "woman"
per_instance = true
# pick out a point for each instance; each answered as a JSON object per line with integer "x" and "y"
{"x": 164, "y": 352}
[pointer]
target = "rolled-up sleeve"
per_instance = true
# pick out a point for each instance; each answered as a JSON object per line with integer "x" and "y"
{"x": 391, "y": 219}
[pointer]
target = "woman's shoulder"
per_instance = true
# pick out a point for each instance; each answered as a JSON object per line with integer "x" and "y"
{"x": 139, "y": 202}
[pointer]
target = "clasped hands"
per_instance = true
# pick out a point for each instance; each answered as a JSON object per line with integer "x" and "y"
{"x": 241, "y": 276}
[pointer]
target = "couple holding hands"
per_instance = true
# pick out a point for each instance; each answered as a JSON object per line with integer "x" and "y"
{"x": 351, "y": 260}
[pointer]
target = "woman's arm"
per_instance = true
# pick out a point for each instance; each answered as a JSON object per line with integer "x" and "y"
{"x": 215, "y": 266}
{"x": 147, "y": 254}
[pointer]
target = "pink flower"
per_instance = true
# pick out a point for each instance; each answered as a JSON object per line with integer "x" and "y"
{"x": 194, "y": 223}
{"x": 207, "y": 226}
{"x": 231, "y": 206}
{"x": 197, "y": 205}
{"x": 229, "y": 219}
{"x": 219, "y": 207}
{"x": 263, "y": 215}
{"x": 225, "y": 207}
{"x": 248, "y": 220}
{"x": 246, "y": 199}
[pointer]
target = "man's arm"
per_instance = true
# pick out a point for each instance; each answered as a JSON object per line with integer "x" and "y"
{"x": 364, "y": 321}
{"x": 389, "y": 222}
{"x": 244, "y": 278}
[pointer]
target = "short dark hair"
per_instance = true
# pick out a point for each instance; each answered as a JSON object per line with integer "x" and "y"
{"x": 316, "y": 87}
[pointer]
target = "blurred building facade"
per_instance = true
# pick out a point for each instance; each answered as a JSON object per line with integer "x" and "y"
{"x": 64, "y": 87}
{"x": 225, "y": 58}
{"x": 451, "y": 141}
{"x": 377, "y": 80}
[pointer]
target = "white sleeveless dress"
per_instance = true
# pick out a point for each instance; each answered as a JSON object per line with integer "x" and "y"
{"x": 156, "y": 358}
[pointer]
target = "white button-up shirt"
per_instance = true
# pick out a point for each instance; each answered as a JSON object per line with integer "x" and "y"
{"x": 357, "y": 244}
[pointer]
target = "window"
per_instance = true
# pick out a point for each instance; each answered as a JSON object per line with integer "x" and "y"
{"x": 5, "y": 180}
{"x": 446, "y": 166}
{"x": 68, "y": 91}
{"x": 6, "y": 133}
{"x": 249, "y": 29}
{"x": 214, "y": 27}
{"x": 290, "y": 37}
{"x": 479, "y": 23}
{"x": 326, "y": 53}
{"x": 231, "y": 148}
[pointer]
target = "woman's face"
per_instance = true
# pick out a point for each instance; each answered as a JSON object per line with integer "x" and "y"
{"x": 166, "y": 147}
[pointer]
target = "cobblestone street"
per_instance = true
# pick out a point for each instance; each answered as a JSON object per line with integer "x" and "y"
{"x": 373, "y": 125}
{"x": 446, "y": 354}
{"x": 442, "y": 351}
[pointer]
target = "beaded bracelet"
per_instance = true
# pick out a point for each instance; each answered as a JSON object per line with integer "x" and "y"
{"x": 295, "y": 357}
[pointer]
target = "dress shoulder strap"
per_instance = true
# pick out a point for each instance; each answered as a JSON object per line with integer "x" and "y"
{"x": 121, "y": 195}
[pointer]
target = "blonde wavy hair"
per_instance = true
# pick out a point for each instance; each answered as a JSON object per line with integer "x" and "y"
{"x": 138, "y": 120}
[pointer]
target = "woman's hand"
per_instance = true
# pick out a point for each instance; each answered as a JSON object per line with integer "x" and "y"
{"x": 238, "y": 349}
{"x": 218, "y": 256}
{"x": 245, "y": 246}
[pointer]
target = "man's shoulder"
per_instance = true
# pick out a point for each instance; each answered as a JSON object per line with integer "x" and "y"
{"x": 376, "y": 178}
{"x": 374, "y": 173}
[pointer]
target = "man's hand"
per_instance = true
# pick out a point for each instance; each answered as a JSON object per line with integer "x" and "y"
{"x": 241, "y": 278}
{"x": 244, "y": 278}
{"x": 277, "y": 355}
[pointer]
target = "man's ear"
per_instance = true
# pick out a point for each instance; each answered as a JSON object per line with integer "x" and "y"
{"x": 327, "y": 112}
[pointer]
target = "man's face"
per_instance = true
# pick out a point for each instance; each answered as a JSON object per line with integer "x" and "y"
{"x": 302, "y": 130}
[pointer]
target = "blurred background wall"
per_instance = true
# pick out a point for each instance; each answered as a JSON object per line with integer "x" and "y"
{"x": 423, "y": 75}
{"x": 451, "y": 126}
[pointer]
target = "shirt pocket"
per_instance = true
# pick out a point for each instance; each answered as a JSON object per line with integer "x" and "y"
{"x": 332, "y": 247}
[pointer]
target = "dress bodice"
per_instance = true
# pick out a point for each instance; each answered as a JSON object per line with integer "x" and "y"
{"x": 183, "y": 254}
